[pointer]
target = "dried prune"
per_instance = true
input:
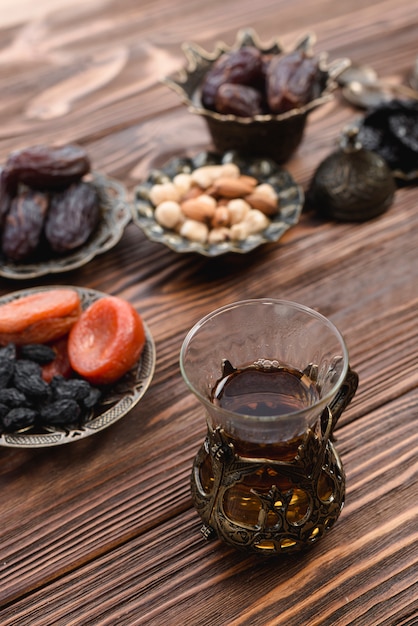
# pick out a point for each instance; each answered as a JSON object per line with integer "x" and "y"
{"x": 390, "y": 129}
{"x": 72, "y": 217}
{"x": 405, "y": 128}
{"x": 19, "y": 418}
{"x": 47, "y": 167}
{"x": 12, "y": 397}
{"x": 28, "y": 379}
{"x": 244, "y": 66}
{"x": 238, "y": 100}
{"x": 60, "y": 412}
{"x": 38, "y": 352}
{"x": 23, "y": 224}
{"x": 290, "y": 81}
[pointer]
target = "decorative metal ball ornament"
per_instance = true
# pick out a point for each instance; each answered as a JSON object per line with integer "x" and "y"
{"x": 352, "y": 184}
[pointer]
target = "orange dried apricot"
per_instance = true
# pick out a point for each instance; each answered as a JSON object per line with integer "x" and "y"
{"x": 106, "y": 340}
{"x": 40, "y": 317}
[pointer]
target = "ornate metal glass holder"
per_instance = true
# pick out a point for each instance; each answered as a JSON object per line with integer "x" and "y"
{"x": 265, "y": 491}
{"x": 304, "y": 499}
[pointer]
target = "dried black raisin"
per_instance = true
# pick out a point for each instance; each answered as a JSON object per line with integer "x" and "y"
{"x": 62, "y": 412}
{"x": 19, "y": 418}
{"x": 28, "y": 379}
{"x": 38, "y": 352}
{"x": 12, "y": 397}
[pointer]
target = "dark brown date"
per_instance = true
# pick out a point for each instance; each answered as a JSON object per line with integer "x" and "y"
{"x": 72, "y": 217}
{"x": 45, "y": 167}
{"x": 5, "y": 198}
{"x": 238, "y": 100}
{"x": 290, "y": 81}
{"x": 244, "y": 67}
{"x": 23, "y": 225}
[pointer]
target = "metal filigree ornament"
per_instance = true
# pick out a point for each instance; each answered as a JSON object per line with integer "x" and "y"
{"x": 352, "y": 184}
{"x": 268, "y": 506}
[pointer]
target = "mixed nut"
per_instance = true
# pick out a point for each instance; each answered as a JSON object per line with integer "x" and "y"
{"x": 214, "y": 203}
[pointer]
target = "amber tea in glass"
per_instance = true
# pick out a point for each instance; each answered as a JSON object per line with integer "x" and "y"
{"x": 273, "y": 377}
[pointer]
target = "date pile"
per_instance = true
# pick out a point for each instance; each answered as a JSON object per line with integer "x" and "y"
{"x": 45, "y": 205}
{"x": 27, "y": 401}
{"x": 247, "y": 82}
{"x": 214, "y": 203}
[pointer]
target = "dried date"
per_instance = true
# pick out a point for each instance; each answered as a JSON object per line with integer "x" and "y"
{"x": 23, "y": 225}
{"x": 72, "y": 217}
{"x": 5, "y": 198}
{"x": 290, "y": 81}
{"x": 46, "y": 167}
{"x": 238, "y": 100}
{"x": 244, "y": 67}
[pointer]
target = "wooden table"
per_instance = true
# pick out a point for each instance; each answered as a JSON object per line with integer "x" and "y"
{"x": 102, "y": 531}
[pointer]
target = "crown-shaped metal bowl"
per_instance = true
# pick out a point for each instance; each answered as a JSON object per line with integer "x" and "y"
{"x": 274, "y": 136}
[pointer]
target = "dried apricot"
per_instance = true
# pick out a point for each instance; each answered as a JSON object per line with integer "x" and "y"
{"x": 106, "y": 340}
{"x": 40, "y": 317}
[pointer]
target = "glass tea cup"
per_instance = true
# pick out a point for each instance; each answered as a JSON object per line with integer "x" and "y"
{"x": 273, "y": 377}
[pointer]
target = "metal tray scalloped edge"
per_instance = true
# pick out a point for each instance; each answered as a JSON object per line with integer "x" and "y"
{"x": 116, "y": 214}
{"x": 116, "y": 402}
{"x": 291, "y": 197}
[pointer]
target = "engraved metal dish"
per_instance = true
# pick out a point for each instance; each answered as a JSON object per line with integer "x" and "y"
{"x": 276, "y": 136}
{"x": 115, "y": 215}
{"x": 291, "y": 198}
{"x": 116, "y": 401}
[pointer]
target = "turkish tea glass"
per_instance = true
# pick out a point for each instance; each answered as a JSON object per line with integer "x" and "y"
{"x": 273, "y": 377}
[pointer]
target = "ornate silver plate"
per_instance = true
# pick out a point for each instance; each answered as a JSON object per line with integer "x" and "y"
{"x": 291, "y": 198}
{"x": 115, "y": 402}
{"x": 115, "y": 215}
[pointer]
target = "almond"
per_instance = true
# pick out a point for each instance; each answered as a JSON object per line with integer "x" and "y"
{"x": 232, "y": 187}
{"x": 199, "y": 208}
{"x": 262, "y": 203}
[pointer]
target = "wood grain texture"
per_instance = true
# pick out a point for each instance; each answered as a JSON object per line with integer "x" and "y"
{"x": 102, "y": 531}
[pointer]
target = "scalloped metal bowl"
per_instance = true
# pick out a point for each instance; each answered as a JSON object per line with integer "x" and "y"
{"x": 273, "y": 136}
{"x": 117, "y": 399}
{"x": 115, "y": 215}
{"x": 291, "y": 198}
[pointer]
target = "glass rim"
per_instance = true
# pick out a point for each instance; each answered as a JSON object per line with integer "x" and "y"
{"x": 319, "y": 404}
